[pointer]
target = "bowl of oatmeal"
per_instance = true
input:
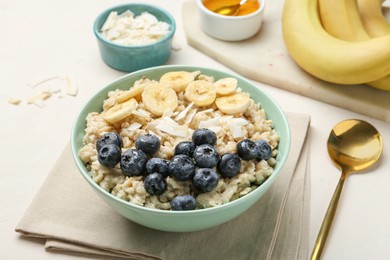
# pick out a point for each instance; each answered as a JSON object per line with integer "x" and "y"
{"x": 134, "y": 36}
{"x": 180, "y": 148}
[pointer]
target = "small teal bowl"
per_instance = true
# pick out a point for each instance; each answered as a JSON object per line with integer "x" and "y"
{"x": 194, "y": 220}
{"x": 132, "y": 58}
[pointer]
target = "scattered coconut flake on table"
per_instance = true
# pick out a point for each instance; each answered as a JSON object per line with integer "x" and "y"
{"x": 40, "y": 82}
{"x": 14, "y": 101}
{"x": 39, "y": 99}
{"x": 54, "y": 85}
{"x": 129, "y": 29}
{"x": 71, "y": 85}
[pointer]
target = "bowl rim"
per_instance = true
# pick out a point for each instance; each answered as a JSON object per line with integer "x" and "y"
{"x": 203, "y": 8}
{"x": 267, "y": 182}
{"x": 167, "y": 37}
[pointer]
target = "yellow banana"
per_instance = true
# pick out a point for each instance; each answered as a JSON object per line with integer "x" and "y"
{"x": 373, "y": 19}
{"x": 326, "y": 57}
{"x": 225, "y": 86}
{"x": 201, "y": 92}
{"x": 233, "y": 104}
{"x": 120, "y": 111}
{"x": 158, "y": 98}
{"x": 341, "y": 18}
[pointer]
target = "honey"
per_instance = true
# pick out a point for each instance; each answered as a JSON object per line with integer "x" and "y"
{"x": 249, "y": 7}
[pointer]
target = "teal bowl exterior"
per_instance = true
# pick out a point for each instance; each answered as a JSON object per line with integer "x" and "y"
{"x": 184, "y": 221}
{"x": 132, "y": 58}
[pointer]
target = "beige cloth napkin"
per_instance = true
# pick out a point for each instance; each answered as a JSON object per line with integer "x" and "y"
{"x": 71, "y": 218}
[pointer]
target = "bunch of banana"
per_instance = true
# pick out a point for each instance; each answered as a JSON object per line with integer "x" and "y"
{"x": 330, "y": 40}
{"x": 373, "y": 19}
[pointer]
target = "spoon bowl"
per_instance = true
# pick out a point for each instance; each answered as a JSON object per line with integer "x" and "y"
{"x": 230, "y": 9}
{"x": 353, "y": 145}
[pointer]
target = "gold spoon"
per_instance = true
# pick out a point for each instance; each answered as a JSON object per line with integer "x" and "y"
{"x": 353, "y": 145}
{"x": 230, "y": 9}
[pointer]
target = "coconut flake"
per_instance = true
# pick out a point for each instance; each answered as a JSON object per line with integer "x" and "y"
{"x": 215, "y": 129}
{"x": 169, "y": 121}
{"x": 141, "y": 113}
{"x": 190, "y": 117}
{"x": 14, "y": 101}
{"x": 153, "y": 133}
{"x": 236, "y": 131}
{"x": 71, "y": 85}
{"x": 207, "y": 110}
{"x": 110, "y": 21}
{"x": 235, "y": 125}
{"x": 39, "y": 100}
{"x": 180, "y": 131}
{"x": 213, "y": 122}
{"x": 167, "y": 113}
{"x": 134, "y": 126}
{"x": 169, "y": 126}
{"x": 238, "y": 121}
{"x": 226, "y": 119}
{"x": 40, "y": 82}
{"x": 127, "y": 13}
{"x": 183, "y": 113}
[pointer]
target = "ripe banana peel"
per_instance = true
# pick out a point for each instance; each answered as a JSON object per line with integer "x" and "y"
{"x": 373, "y": 19}
{"x": 341, "y": 18}
{"x": 327, "y": 57}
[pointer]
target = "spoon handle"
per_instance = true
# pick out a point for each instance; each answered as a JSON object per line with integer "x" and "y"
{"x": 327, "y": 222}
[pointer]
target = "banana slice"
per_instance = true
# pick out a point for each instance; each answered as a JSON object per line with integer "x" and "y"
{"x": 157, "y": 98}
{"x": 135, "y": 91}
{"x": 120, "y": 111}
{"x": 178, "y": 80}
{"x": 201, "y": 92}
{"x": 225, "y": 86}
{"x": 232, "y": 104}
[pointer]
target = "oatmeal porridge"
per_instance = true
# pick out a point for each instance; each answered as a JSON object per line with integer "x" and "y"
{"x": 182, "y": 142}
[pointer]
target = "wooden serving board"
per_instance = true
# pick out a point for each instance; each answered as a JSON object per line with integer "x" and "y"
{"x": 264, "y": 58}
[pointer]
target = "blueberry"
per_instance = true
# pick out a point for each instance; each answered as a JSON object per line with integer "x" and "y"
{"x": 247, "y": 149}
{"x": 182, "y": 167}
{"x": 185, "y": 147}
{"x": 205, "y": 179}
{"x": 206, "y": 156}
{"x": 155, "y": 184}
{"x": 109, "y": 155}
{"x": 158, "y": 165}
{"x": 109, "y": 138}
{"x": 229, "y": 165}
{"x": 184, "y": 202}
{"x": 265, "y": 149}
{"x": 204, "y": 136}
{"x": 133, "y": 162}
{"x": 148, "y": 143}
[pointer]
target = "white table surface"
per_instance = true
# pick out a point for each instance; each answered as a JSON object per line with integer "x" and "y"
{"x": 42, "y": 38}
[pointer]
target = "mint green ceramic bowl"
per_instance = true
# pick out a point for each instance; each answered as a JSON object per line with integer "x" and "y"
{"x": 132, "y": 58}
{"x": 183, "y": 221}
